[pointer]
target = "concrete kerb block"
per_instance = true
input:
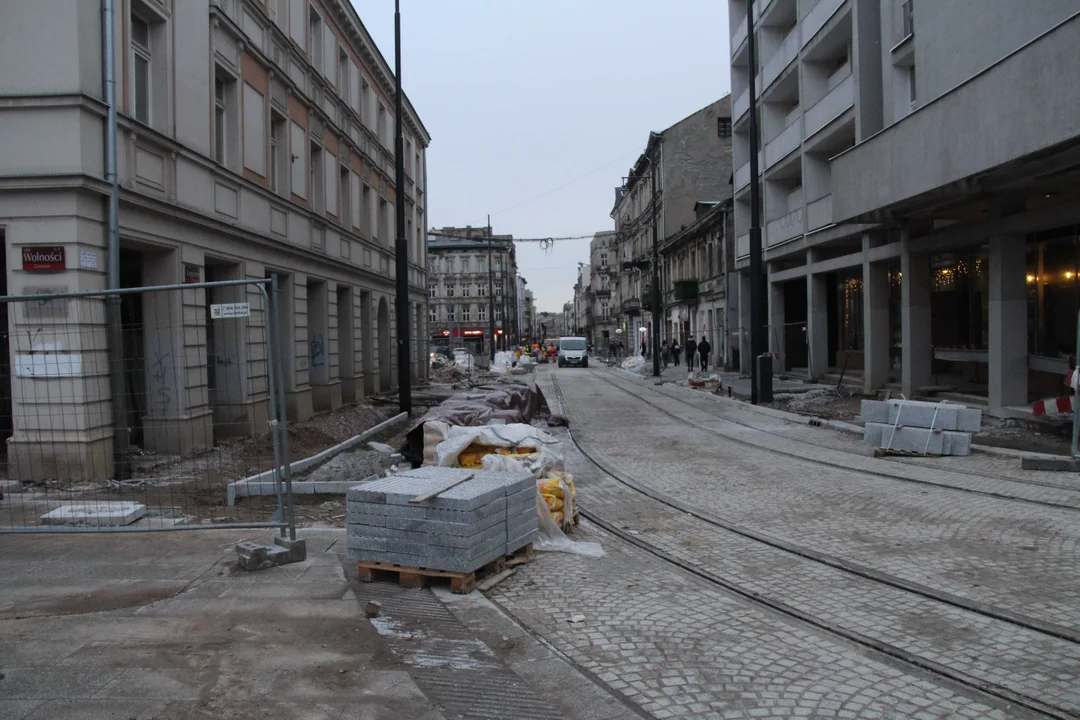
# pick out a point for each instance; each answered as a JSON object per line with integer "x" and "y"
{"x": 253, "y": 556}
{"x": 96, "y": 514}
{"x": 921, "y": 414}
{"x": 1062, "y": 464}
{"x": 386, "y": 540}
{"x": 918, "y": 440}
{"x": 263, "y": 483}
{"x": 10, "y": 486}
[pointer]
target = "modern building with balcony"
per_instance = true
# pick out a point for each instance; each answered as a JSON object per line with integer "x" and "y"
{"x": 918, "y": 168}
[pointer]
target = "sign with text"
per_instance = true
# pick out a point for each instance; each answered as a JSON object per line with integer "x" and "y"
{"x": 224, "y": 311}
{"x": 191, "y": 274}
{"x": 43, "y": 257}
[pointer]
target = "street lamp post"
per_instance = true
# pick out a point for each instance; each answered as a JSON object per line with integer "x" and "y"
{"x": 760, "y": 388}
{"x": 401, "y": 250}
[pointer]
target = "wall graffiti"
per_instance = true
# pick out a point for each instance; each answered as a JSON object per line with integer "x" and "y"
{"x": 318, "y": 351}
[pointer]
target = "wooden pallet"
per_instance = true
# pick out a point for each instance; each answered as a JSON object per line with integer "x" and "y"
{"x": 461, "y": 583}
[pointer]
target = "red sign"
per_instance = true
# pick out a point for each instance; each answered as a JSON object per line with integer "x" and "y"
{"x": 473, "y": 333}
{"x": 43, "y": 257}
{"x": 191, "y": 273}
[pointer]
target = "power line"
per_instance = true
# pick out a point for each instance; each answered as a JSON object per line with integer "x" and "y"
{"x": 568, "y": 184}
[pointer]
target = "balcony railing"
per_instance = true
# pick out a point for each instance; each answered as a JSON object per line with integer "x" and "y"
{"x": 631, "y": 306}
{"x": 602, "y": 292}
{"x": 686, "y": 290}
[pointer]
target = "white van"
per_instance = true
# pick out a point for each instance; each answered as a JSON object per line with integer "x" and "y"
{"x": 573, "y": 351}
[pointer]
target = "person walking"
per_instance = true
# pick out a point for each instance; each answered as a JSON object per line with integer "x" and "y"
{"x": 675, "y": 350}
{"x": 665, "y": 353}
{"x": 691, "y": 351}
{"x": 704, "y": 348}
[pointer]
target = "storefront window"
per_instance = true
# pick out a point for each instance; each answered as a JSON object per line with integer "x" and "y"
{"x": 1053, "y": 293}
{"x": 850, "y": 290}
{"x": 959, "y": 301}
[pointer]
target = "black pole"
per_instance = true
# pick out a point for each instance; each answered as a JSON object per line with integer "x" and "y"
{"x": 655, "y": 278}
{"x": 491, "y": 292}
{"x": 401, "y": 250}
{"x": 757, "y": 290}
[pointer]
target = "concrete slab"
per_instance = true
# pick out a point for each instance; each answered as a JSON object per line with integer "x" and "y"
{"x": 417, "y": 542}
{"x": 914, "y": 439}
{"x": 98, "y": 514}
{"x": 353, "y": 516}
{"x": 917, "y": 413}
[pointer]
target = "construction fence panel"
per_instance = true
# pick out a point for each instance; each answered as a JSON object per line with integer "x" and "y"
{"x": 134, "y": 410}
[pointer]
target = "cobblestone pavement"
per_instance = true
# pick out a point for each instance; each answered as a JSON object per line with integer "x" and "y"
{"x": 680, "y": 646}
{"x": 1001, "y": 553}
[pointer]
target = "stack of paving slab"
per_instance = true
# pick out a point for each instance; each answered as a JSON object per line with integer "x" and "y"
{"x": 922, "y": 427}
{"x": 459, "y": 530}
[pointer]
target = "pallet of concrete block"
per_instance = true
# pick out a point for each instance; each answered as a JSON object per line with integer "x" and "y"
{"x": 439, "y": 522}
{"x": 927, "y": 428}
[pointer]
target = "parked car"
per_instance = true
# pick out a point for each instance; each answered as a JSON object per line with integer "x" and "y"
{"x": 573, "y": 351}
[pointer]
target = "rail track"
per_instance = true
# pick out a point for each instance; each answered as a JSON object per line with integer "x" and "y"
{"x": 1074, "y": 506}
{"x": 991, "y": 691}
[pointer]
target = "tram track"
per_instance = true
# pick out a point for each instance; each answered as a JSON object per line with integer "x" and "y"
{"x": 944, "y": 672}
{"x": 837, "y": 465}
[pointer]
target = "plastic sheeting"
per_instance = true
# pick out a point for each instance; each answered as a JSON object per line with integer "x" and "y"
{"x": 634, "y": 364}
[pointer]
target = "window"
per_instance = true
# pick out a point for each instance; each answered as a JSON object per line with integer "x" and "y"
{"x": 723, "y": 126}
{"x": 316, "y": 178}
{"x": 498, "y": 313}
{"x": 384, "y": 224}
{"x": 466, "y": 289}
{"x": 450, "y": 313}
{"x": 365, "y": 102}
{"x": 298, "y": 160}
{"x": 911, "y": 84}
{"x": 315, "y": 40}
{"x": 141, "y": 59}
{"x": 365, "y": 220}
{"x": 279, "y": 151}
{"x": 481, "y": 313}
{"x": 498, "y": 265}
{"x": 408, "y": 158}
{"x": 909, "y": 18}
{"x": 481, "y": 289}
{"x": 220, "y": 120}
{"x": 433, "y": 313}
{"x": 481, "y": 264}
{"x": 431, "y": 290}
{"x": 466, "y": 313}
{"x": 605, "y": 311}
{"x": 345, "y": 195}
{"x": 355, "y": 200}
{"x": 418, "y": 172}
{"x": 464, "y": 264}
{"x": 380, "y": 124}
{"x": 343, "y": 74}
{"x": 498, "y": 288}
{"x": 450, "y": 290}
{"x": 603, "y": 259}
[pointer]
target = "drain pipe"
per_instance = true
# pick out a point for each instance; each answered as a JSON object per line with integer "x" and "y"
{"x": 121, "y": 436}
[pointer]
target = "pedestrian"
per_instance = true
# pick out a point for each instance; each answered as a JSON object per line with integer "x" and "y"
{"x": 665, "y": 353}
{"x": 691, "y": 350}
{"x": 642, "y": 348}
{"x": 675, "y": 350}
{"x": 704, "y": 348}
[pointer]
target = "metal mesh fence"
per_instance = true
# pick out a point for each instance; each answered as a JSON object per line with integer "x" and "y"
{"x": 137, "y": 409}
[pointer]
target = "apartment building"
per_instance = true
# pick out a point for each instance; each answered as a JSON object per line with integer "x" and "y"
{"x": 578, "y": 318}
{"x": 918, "y": 173}
{"x": 255, "y": 139}
{"x": 471, "y": 275}
{"x": 701, "y": 292}
{"x": 691, "y": 161}
{"x": 532, "y": 329}
{"x": 601, "y": 295}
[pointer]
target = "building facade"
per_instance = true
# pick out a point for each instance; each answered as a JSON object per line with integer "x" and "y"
{"x": 919, "y": 220}
{"x": 691, "y": 161}
{"x": 698, "y": 268}
{"x": 601, "y": 296}
{"x": 255, "y": 138}
{"x": 471, "y": 278}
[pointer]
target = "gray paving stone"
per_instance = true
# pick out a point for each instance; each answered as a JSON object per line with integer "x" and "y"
{"x": 914, "y": 439}
{"x": 917, "y": 413}
{"x": 421, "y": 543}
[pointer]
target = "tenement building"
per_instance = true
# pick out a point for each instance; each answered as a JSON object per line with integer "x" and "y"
{"x": 255, "y": 139}
{"x": 471, "y": 278}
{"x": 918, "y": 169}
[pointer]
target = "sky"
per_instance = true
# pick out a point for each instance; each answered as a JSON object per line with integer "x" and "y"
{"x": 537, "y": 108}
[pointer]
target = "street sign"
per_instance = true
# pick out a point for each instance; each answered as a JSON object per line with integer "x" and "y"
{"x": 224, "y": 311}
{"x": 43, "y": 257}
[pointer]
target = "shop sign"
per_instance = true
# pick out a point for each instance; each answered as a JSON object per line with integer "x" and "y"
{"x": 43, "y": 257}
{"x": 191, "y": 274}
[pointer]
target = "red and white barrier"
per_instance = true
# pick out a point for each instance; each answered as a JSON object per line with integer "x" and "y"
{"x": 1053, "y": 406}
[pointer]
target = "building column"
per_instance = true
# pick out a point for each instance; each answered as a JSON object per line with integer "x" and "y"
{"x": 776, "y": 325}
{"x": 817, "y": 319}
{"x": 742, "y": 341}
{"x": 917, "y": 354}
{"x": 1008, "y": 371}
{"x": 876, "y": 328}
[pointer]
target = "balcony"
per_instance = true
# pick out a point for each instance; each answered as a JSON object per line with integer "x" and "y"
{"x": 742, "y": 246}
{"x": 686, "y": 290}
{"x": 789, "y": 50}
{"x": 783, "y": 144}
{"x": 740, "y": 35}
{"x": 835, "y": 103}
{"x": 819, "y": 213}
{"x": 742, "y": 104}
{"x": 785, "y": 228}
{"x": 742, "y": 177}
{"x": 631, "y": 306}
{"x": 817, "y": 17}
{"x": 602, "y": 292}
